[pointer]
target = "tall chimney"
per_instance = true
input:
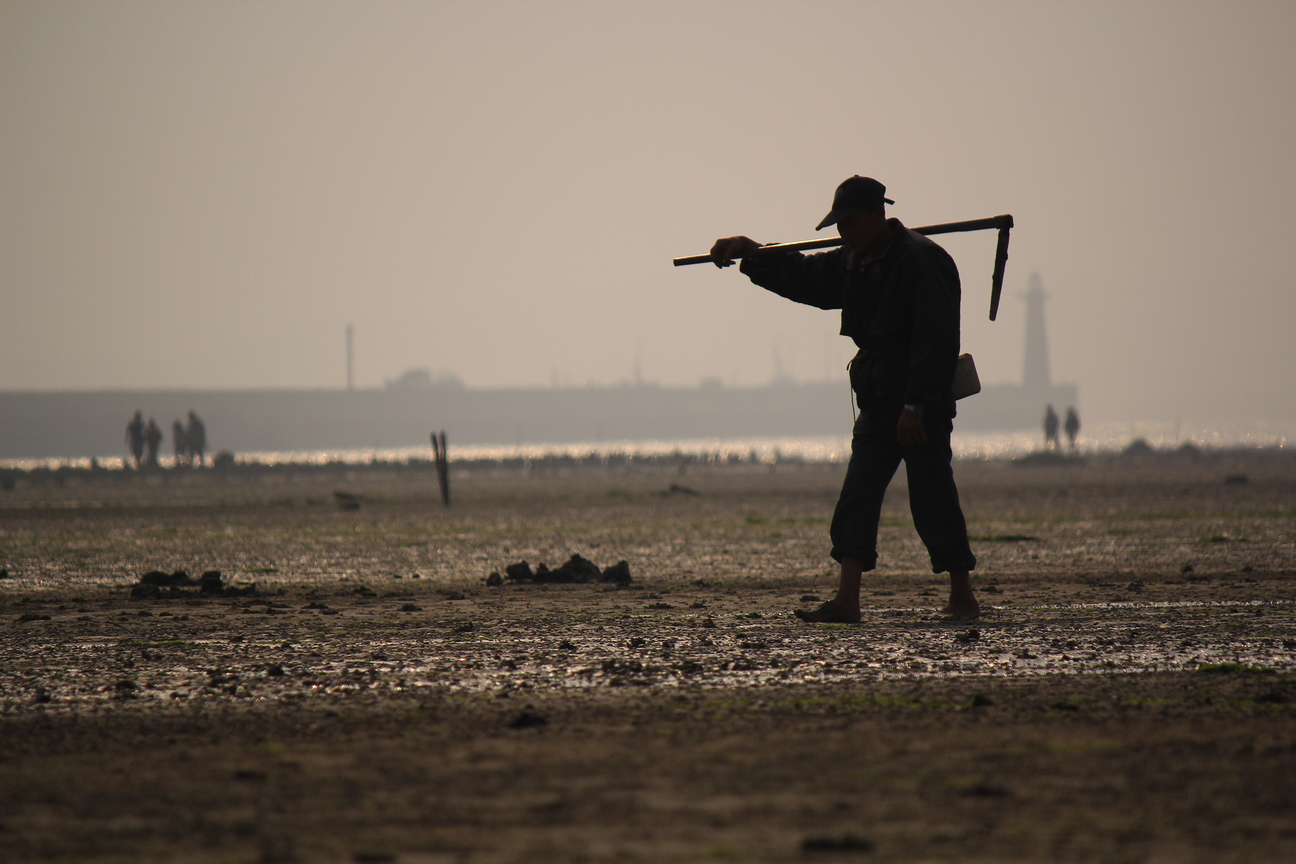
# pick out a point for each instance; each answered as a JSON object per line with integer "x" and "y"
{"x": 350, "y": 357}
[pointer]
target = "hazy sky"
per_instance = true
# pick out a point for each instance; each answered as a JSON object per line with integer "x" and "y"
{"x": 204, "y": 194}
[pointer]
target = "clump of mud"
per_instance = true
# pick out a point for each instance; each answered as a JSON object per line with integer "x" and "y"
{"x": 157, "y": 583}
{"x": 577, "y": 570}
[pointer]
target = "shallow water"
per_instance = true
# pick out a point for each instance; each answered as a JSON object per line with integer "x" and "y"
{"x": 680, "y": 649}
{"x": 1101, "y": 438}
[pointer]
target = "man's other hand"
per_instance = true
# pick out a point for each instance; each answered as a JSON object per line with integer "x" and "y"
{"x": 727, "y": 248}
{"x": 910, "y": 429}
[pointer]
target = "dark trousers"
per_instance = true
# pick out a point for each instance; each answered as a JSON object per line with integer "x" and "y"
{"x": 933, "y": 497}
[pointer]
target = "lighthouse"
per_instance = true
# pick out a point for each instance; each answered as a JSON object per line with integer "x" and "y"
{"x": 1035, "y": 367}
{"x": 1020, "y": 406}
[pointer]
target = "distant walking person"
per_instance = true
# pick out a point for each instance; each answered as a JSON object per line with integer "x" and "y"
{"x": 1050, "y": 429}
{"x": 1072, "y": 426}
{"x": 152, "y": 438}
{"x": 135, "y": 438}
{"x": 179, "y": 443}
{"x": 196, "y": 438}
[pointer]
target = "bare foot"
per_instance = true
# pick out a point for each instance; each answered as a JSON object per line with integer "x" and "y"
{"x": 962, "y": 605}
{"x": 961, "y": 611}
{"x": 829, "y": 613}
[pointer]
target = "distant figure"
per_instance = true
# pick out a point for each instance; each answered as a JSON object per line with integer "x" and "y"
{"x": 1072, "y": 426}
{"x": 152, "y": 438}
{"x": 179, "y": 443}
{"x": 135, "y": 438}
{"x": 1050, "y": 428}
{"x": 196, "y": 438}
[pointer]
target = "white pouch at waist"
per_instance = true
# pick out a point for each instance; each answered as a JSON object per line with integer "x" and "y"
{"x": 966, "y": 382}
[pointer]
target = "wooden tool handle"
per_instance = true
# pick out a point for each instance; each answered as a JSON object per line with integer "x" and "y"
{"x": 1000, "y": 222}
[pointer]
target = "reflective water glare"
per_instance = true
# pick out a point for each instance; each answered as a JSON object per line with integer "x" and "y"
{"x": 1101, "y": 438}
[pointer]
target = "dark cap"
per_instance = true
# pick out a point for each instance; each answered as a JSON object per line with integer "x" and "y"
{"x": 856, "y": 193}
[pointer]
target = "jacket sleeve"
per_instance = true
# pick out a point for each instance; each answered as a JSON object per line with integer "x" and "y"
{"x": 934, "y": 343}
{"x": 815, "y": 280}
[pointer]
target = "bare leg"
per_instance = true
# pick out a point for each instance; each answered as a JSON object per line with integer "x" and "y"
{"x": 845, "y": 607}
{"x": 848, "y": 587}
{"x": 962, "y": 602}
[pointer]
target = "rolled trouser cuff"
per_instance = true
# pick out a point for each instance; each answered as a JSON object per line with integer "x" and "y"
{"x": 868, "y": 558}
{"x": 951, "y": 565}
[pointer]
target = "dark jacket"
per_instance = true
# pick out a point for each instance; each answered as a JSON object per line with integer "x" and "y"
{"x": 902, "y": 310}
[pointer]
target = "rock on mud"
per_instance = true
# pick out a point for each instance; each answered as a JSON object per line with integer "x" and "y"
{"x": 618, "y": 573}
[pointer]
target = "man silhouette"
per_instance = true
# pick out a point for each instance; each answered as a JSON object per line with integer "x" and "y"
{"x": 899, "y": 294}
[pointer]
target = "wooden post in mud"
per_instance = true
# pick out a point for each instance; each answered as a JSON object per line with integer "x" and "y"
{"x": 442, "y": 465}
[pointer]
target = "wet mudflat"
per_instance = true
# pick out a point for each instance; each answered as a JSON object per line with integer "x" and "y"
{"x": 1127, "y": 696}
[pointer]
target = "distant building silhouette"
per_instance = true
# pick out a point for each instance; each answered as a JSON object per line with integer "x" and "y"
{"x": 423, "y": 379}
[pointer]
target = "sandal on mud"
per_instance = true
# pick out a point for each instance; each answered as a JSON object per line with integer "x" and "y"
{"x": 828, "y": 613}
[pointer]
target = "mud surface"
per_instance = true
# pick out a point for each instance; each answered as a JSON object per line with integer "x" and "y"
{"x": 358, "y": 693}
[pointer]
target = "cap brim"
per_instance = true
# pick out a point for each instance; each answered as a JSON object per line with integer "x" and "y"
{"x": 835, "y": 215}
